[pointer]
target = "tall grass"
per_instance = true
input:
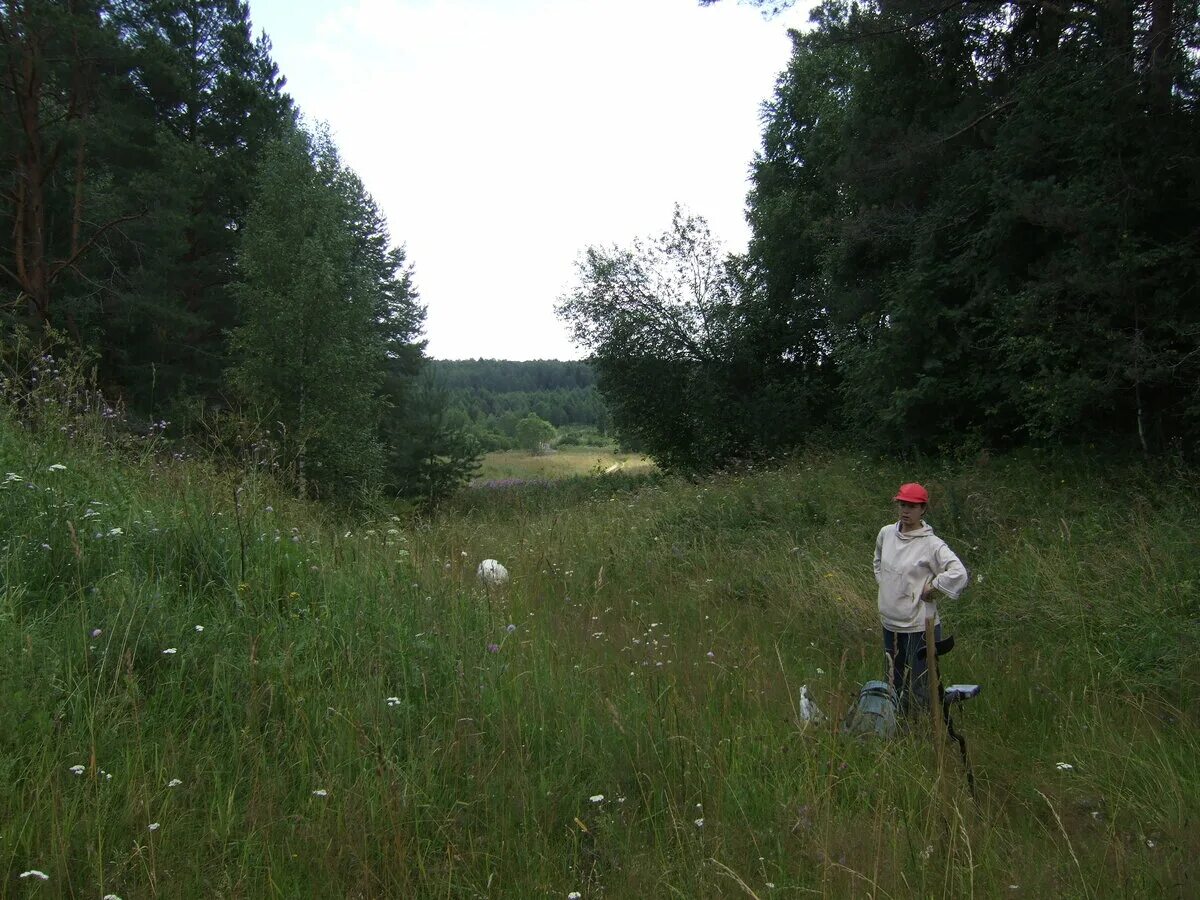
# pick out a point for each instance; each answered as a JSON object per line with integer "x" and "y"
{"x": 360, "y": 717}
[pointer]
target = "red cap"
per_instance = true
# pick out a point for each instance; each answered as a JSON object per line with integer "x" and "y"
{"x": 912, "y": 493}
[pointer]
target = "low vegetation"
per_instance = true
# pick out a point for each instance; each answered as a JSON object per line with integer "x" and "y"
{"x": 212, "y": 689}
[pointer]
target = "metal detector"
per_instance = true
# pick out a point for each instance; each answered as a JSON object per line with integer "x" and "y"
{"x": 947, "y": 697}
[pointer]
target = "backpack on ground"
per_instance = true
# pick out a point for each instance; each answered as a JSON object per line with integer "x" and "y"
{"x": 875, "y": 714}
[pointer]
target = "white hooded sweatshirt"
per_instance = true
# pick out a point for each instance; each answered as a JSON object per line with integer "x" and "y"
{"x": 904, "y": 563}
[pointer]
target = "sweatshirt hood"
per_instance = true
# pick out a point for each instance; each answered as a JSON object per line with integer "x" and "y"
{"x": 922, "y": 531}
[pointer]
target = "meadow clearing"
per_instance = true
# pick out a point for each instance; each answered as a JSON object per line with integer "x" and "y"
{"x": 563, "y": 462}
{"x": 212, "y": 689}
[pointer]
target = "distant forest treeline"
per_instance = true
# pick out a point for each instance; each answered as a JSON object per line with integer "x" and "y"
{"x": 488, "y": 397}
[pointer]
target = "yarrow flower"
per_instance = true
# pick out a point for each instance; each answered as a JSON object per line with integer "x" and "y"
{"x": 574, "y": 895}
{"x": 596, "y": 798}
{"x": 199, "y": 628}
{"x": 170, "y": 651}
{"x": 699, "y": 823}
{"x": 35, "y": 873}
{"x": 1064, "y": 767}
{"x": 58, "y": 467}
{"x": 174, "y": 782}
{"x": 154, "y": 826}
{"x": 320, "y": 792}
{"x": 77, "y": 770}
{"x": 392, "y": 701}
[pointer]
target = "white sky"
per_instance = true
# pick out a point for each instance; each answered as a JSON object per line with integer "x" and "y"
{"x": 501, "y": 137}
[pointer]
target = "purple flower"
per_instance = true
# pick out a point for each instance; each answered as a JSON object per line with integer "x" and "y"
{"x": 493, "y": 648}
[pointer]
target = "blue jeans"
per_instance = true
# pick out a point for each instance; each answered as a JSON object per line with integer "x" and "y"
{"x": 907, "y": 673}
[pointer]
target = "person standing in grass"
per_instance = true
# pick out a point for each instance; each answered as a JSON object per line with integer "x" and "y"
{"x": 913, "y": 568}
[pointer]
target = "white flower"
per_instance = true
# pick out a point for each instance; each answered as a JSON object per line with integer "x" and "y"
{"x": 771, "y": 885}
{"x": 979, "y": 578}
{"x": 110, "y": 897}
{"x": 574, "y": 895}
{"x": 34, "y": 873}
{"x": 113, "y": 532}
{"x": 320, "y": 792}
{"x": 392, "y": 701}
{"x": 154, "y": 826}
{"x": 199, "y": 628}
{"x": 699, "y": 823}
{"x": 76, "y": 770}
{"x": 926, "y": 853}
{"x": 1064, "y": 767}
{"x": 174, "y": 782}
{"x": 596, "y": 798}
{"x": 58, "y": 467}
{"x": 13, "y": 476}
{"x": 91, "y": 513}
{"x": 820, "y": 671}
{"x": 170, "y": 651}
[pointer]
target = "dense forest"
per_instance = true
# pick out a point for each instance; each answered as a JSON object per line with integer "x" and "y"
{"x": 974, "y": 224}
{"x": 488, "y": 397}
{"x": 168, "y": 217}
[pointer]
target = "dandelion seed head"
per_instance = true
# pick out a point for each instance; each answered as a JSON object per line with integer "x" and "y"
{"x": 96, "y": 632}
{"x": 510, "y": 628}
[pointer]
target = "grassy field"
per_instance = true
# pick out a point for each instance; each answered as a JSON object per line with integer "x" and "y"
{"x": 213, "y": 690}
{"x": 562, "y": 463}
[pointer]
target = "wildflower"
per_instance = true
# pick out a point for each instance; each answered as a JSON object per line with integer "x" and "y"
{"x": 1064, "y": 767}
{"x": 76, "y": 770}
{"x": 45, "y": 546}
{"x": 58, "y": 467}
{"x": 174, "y": 783}
{"x": 392, "y": 701}
{"x": 35, "y": 873}
{"x": 154, "y": 826}
{"x": 170, "y": 651}
{"x": 927, "y": 852}
{"x": 113, "y": 532}
{"x": 711, "y": 655}
{"x": 979, "y": 578}
{"x": 320, "y": 792}
{"x": 771, "y": 885}
{"x": 90, "y": 513}
{"x": 820, "y": 671}
{"x": 110, "y": 897}
{"x": 96, "y": 632}
{"x": 511, "y": 628}
{"x": 199, "y": 628}
{"x": 13, "y": 476}
{"x": 699, "y": 823}
{"x": 574, "y": 895}
{"x": 596, "y": 798}
{"x": 493, "y": 648}
{"x": 1150, "y": 843}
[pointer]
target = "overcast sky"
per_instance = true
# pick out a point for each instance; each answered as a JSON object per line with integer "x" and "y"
{"x": 502, "y": 137}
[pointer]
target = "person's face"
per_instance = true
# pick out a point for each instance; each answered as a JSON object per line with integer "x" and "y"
{"x": 910, "y": 514}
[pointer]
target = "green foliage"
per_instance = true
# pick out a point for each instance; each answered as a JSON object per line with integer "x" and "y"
{"x": 978, "y": 218}
{"x": 312, "y": 351}
{"x": 533, "y": 433}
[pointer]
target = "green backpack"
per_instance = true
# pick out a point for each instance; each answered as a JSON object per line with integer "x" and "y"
{"x": 875, "y": 713}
